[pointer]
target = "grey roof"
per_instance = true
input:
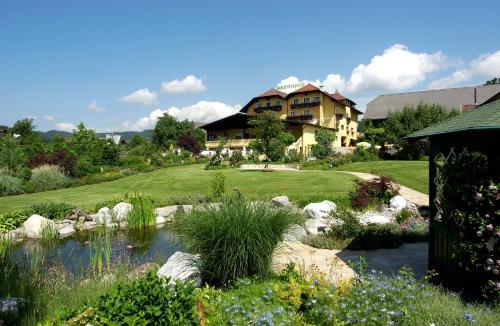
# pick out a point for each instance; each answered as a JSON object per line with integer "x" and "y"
{"x": 450, "y": 98}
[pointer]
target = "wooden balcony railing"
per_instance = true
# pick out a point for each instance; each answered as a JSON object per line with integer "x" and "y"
{"x": 267, "y": 108}
{"x": 300, "y": 117}
{"x": 305, "y": 105}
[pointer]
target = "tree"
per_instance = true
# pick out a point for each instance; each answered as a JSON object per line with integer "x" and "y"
{"x": 190, "y": 143}
{"x": 493, "y": 81}
{"x": 84, "y": 144}
{"x": 12, "y": 156}
{"x": 324, "y": 139}
{"x": 137, "y": 140}
{"x": 32, "y": 142}
{"x": 271, "y": 136}
{"x": 400, "y": 124}
{"x": 23, "y": 127}
{"x": 168, "y": 131}
{"x": 373, "y": 133}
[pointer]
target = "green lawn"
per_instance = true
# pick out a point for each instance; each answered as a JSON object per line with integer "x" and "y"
{"x": 412, "y": 174}
{"x": 193, "y": 179}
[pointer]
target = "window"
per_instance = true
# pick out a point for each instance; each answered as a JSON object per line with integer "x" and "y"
{"x": 296, "y": 101}
{"x": 277, "y": 103}
{"x": 342, "y": 127}
{"x": 239, "y": 135}
{"x": 268, "y": 104}
{"x": 307, "y": 112}
{"x": 293, "y": 113}
{"x": 336, "y": 137}
{"x": 307, "y": 100}
{"x": 316, "y": 99}
{"x": 259, "y": 105}
{"x": 337, "y": 111}
{"x": 212, "y": 135}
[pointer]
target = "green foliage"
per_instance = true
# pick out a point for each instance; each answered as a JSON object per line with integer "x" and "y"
{"x": 137, "y": 140}
{"x": 415, "y": 230}
{"x": 110, "y": 153}
{"x": 403, "y": 215}
{"x": 51, "y": 210}
{"x": 376, "y": 191}
{"x": 324, "y": 138}
{"x": 493, "y": 81}
{"x": 361, "y": 154}
{"x": 146, "y": 301}
{"x": 13, "y": 220}
{"x": 10, "y": 185}
{"x": 218, "y": 185}
{"x": 236, "y": 159}
{"x": 100, "y": 250}
{"x": 49, "y": 232}
{"x": 373, "y": 132}
{"x": 85, "y": 145}
{"x": 349, "y": 227}
{"x": 293, "y": 156}
{"x": 168, "y": 131}
{"x": 217, "y": 159}
{"x": 48, "y": 177}
{"x": 271, "y": 136}
{"x": 11, "y": 155}
{"x": 236, "y": 239}
{"x": 378, "y": 236}
{"x": 143, "y": 212}
{"x": 85, "y": 167}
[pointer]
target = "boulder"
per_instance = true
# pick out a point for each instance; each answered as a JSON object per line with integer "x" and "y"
{"x": 15, "y": 235}
{"x": 316, "y": 225}
{"x": 66, "y": 229}
{"x": 181, "y": 266}
{"x": 397, "y": 203}
{"x": 10, "y": 309}
{"x": 295, "y": 233}
{"x": 88, "y": 226}
{"x": 78, "y": 214}
{"x": 121, "y": 210}
{"x": 281, "y": 201}
{"x": 373, "y": 218}
{"x": 34, "y": 225}
{"x": 160, "y": 219}
{"x": 320, "y": 210}
{"x": 185, "y": 208}
{"x": 166, "y": 211}
{"x": 103, "y": 216}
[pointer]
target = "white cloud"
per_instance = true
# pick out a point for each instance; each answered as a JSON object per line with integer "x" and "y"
{"x": 141, "y": 96}
{"x": 397, "y": 68}
{"x": 65, "y": 126}
{"x": 49, "y": 118}
{"x": 94, "y": 107}
{"x": 203, "y": 111}
{"x": 485, "y": 65}
{"x": 190, "y": 84}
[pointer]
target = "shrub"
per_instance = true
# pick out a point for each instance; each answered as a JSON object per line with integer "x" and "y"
{"x": 414, "y": 230}
{"x": 375, "y": 191}
{"x": 13, "y": 220}
{"x": 10, "y": 185}
{"x": 48, "y": 177}
{"x": 143, "y": 212}
{"x": 85, "y": 167}
{"x": 361, "y": 154}
{"x": 61, "y": 158}
{"x": 146, "y": 301}
{"x": 378, "y": 236}
{"x": 236, "y": 159}
{"x": 218, "y": 185}
{"x": 350, "y": 226}
{"x": 236, "y": 239}
{"x": 403, "y": 215}
{"x": 51, "y": 210}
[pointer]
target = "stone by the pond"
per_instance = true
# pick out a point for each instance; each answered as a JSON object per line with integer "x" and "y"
{"x": 281, "y": 201}
{"x": 185, "y": 208}
{"x": 316, "y": 225}
{"x": 9, "y": 310}
{"x": 371, "y": 217}
{"x": 34, "y": 225}
{"x": 320, "y": 210}
{"x": 397, "y": 203}
{"x": 78, "y": 214}
{"x": 160, "y": 219}
{"x": 15, "y": 235}
{"x": 295, "y": 233}
{"x": 88, "y": 226}
{"x": 121, "y": 210}
{"x": 103, "y": 216}
{"x": 166, "y": 211}
{"x": 181, "y": 266}
{"x": 65, "y": 230}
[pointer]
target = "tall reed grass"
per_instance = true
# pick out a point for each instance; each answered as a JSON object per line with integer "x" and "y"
{"x": 143, "y": 212}
{"x": 100, "y": 250}
{"x": 236, "y": 239}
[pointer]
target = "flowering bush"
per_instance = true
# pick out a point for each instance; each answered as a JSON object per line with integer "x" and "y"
{"x": 471, "y": 205}
{"x": 375, "y": 191}
{"x": 48, "y": 177}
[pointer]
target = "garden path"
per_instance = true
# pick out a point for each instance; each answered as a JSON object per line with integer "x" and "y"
{"x": 416, "y": 197}
{"x": 333, "y": 263}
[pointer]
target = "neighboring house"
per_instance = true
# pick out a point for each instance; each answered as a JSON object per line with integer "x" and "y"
{"x": 304, "y": 111}
{"x": 461, "y": 99}
{"x": 114, "y": 138}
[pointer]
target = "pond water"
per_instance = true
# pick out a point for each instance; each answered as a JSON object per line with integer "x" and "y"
{"x": 133, "y": 247}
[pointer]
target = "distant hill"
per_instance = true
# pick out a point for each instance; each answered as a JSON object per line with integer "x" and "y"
{"x": 126, "y": 135}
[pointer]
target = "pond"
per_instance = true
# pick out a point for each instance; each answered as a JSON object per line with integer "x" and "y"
{"x": 134, "y": 247}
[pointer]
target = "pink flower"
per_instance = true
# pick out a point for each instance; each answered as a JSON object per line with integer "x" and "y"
{"x": 498, "y": 285}
{"x": 86, "y": 242}
{"x": 498, "y": 262}
{"x": 496, "y": 271}
{"x": 479, "y": 233}
{"x": 129, "y": 247}
{"x": 489, "y": 227}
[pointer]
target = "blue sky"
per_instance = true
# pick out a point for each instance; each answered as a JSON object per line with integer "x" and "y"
{"x": 118, "y": 65}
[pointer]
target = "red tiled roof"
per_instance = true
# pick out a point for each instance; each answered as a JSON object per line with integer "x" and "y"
{"x": 306, "y": 88}
{"x": 338, "y": 96}
{"x": 273, "y": 92}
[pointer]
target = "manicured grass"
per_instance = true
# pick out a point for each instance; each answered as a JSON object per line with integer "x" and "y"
{"x": 412, "y": 174}
{"x": 193, "y": 179}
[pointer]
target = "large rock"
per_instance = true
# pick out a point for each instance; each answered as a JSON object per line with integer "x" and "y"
{"x": 320, "y": 210}
{"x": 295, "y": 233}
{"x": 166, "y": 211}
{"x": 373, "y": 218}
{"x": 103, "y": 216}
{"x": 34, "y": 225}
{"x": 397, "y": 203}
{"x": 10, "y": 309}
{"x": 121, "y": 210}
{"x": 160, "y": 219}
{"x": 316, "y": 225}
{"x": 181, "y": 266}
{"x": 65, "y": 229}
{"x": 281, "y": 201}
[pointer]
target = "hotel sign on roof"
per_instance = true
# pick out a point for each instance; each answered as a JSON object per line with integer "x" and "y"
{"x": 288, "y": 88}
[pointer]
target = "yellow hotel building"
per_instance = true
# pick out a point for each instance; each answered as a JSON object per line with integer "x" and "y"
{"x": 304, "y": 111}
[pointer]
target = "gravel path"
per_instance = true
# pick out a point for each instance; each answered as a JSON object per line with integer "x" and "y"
{"x": 416, "y": 197}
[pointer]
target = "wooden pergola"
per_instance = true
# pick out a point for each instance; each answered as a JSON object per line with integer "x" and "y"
{"x": 477, "y": 130}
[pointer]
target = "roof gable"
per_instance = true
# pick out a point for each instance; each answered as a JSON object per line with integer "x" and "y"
{"x": 306, "y": 88}
{"x": 272, "y": 92}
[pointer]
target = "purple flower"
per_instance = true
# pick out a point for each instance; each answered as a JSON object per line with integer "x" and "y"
{"x": 489, "y": 227}
{"x": 479, "y": 233}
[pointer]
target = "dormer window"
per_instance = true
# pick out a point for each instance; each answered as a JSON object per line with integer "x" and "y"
{"x": 296, "y": 101}
{"x": 307, "y": 100}
{"x": 316, "y": 99}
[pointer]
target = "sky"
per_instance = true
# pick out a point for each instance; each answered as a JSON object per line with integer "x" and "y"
{"x": 119, "y": 65}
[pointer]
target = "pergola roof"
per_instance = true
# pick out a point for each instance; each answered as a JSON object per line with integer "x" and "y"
{"x": 484, "y": 117}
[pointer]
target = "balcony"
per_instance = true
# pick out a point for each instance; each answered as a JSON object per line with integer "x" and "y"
{"x": 267, "y": 108}
{"x": 305, "y": 105}
{"x": 307, "y": 117}
{"x": 211, "y": 144}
